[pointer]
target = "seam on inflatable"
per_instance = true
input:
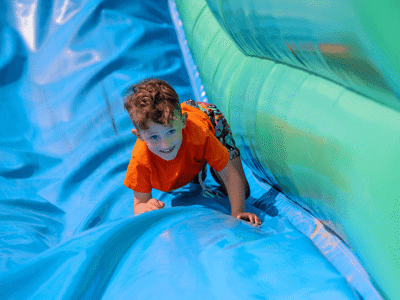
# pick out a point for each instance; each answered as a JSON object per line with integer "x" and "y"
{"x": 218, "y": 65}
{"x": 198, "y": 17}
{"x": 206, "y": 50}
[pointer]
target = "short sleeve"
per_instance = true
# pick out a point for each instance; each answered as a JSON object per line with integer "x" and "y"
{"x": 215, "y": 153}
{"x": 137, "y": 177}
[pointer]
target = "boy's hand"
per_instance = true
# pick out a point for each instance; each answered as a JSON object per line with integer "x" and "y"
{"x": 252, "y": 218}
{"x": 152, "y": 204}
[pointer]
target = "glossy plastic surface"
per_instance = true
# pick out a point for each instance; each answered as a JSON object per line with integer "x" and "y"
{"x": 66, "y": 224}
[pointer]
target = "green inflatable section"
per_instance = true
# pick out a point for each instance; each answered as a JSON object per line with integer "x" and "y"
{"x": 348, "y": 42}
{"x": 329, "y": 145}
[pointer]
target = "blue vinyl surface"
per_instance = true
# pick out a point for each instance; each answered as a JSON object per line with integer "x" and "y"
{"x": 66, "y": 219}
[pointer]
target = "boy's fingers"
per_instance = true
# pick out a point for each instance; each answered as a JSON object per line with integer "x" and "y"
{"x": 252, "y": 218}
{"x": 152, "y": 204}
{"x": 243, "y": 216}
{"x": 153, "y": 207}
{"x": 257, "y": 220}
{"x": 152, "y": 201}
{"x": 156, "y": 203}
{"x": 160, "y": 204}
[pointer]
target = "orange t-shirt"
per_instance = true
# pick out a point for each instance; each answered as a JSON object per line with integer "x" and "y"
{"x": 199, "y": 146}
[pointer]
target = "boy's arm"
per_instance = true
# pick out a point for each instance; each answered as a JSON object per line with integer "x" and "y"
{"x": 235, "y": 187}
{"x": 143, "y": 202}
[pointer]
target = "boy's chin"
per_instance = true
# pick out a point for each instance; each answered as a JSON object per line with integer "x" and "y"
{"x": 167, "y": 157}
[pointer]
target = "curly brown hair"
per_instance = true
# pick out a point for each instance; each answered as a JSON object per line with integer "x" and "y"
{"x": 151, "y": 99}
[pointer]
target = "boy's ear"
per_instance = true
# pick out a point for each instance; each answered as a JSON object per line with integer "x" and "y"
{"x": 137, "y": 134}
{"x": 184, "y": 119}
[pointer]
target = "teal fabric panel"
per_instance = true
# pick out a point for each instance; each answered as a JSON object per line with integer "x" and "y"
{"x": 333, "y": 39}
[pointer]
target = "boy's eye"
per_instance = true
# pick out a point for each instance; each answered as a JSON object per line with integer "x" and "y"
{"x": 155, "y": 137}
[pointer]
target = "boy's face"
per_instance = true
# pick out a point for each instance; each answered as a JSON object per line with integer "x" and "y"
{"x": 163, "y": 141}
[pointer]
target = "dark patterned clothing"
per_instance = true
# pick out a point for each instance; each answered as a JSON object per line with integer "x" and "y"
{"x": 222, "y": 129}
{"x": 222, "y": 132}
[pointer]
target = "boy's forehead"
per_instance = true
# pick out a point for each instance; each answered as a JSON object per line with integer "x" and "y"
{"x": 155, "y": 128}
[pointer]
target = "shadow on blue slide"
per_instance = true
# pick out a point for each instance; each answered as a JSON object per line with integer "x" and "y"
{"x": 66, "y": 220}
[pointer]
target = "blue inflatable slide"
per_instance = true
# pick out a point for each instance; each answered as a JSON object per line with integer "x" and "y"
{"x": 67, "y": 226}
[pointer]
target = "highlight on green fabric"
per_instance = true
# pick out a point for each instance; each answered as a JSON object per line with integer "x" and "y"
{"x": 324, "y": 130}
{"x": 356, "y": 49}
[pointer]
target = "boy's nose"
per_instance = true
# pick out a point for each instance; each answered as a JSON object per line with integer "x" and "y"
{"x": 166, "y": 143}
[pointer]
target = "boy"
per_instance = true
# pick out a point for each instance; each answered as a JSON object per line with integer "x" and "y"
{"x": 173, "y": 148}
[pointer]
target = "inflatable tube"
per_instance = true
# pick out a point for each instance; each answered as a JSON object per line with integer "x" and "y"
{"x": 66, "y": 220}
{"x": 312, "y": 96}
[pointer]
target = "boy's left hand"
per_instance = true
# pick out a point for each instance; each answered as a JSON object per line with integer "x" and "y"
{"x": 251, "y": 218}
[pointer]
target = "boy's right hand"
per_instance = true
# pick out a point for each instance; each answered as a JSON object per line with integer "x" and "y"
{"x": 152, "y": 204}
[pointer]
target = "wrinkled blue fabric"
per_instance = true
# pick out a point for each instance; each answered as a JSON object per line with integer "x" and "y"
{"x": 66, "y": 219}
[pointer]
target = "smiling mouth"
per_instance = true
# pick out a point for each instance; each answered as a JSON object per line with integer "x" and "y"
{"x": 166, "y": 152}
